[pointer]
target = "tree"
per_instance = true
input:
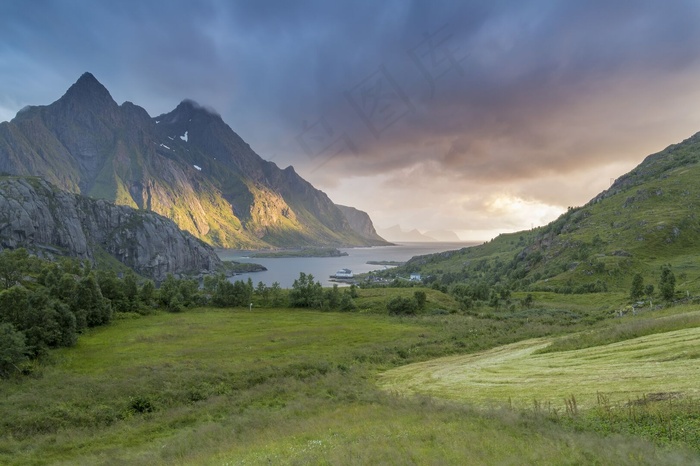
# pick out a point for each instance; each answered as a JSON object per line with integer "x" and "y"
{"x": 305, "y": 292}
{"x": 167, "y": 291}
{"x": 65, "y": 288}
{"x": 111, "y": 289}
{"x": 528, "y": 301}
{"x": 637, "y": 290}
{"x": 12, "y": 266}
{"x": 420, "y": 298}
{"x": 210, "y": 281}
{"x": 263, "y": 292}
{"x": 91, "y": 308}
{"x": 130, "y": 291}
{"x": 147, "y": 293}
{"x": 276, "y": 295}
{"x": 667, "y": 284}
{"x": 332, "y": 297}
{"x": 188, "y": 290}
{"x": 12, "y": 349}
{"x": 494, "y": 300}
{"x": 44, "y": 321}
{"x": 14, "y": 305}
{"x": 229, "y": 294}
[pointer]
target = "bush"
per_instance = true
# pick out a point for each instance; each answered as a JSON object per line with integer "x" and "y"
{"x": 402, "y": 306}
{"x": 347, "y": 303}
{"x": 141, "y": 404}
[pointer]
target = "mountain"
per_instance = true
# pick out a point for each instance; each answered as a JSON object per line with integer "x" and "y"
{"x": 446, "y": 236}
{"x": 361, "y": 223}
{"x": 187, "y": 165}
{"x": 646, "y": 220}
{"x": 395, "y": 233}
{"x": 46, "y": 220}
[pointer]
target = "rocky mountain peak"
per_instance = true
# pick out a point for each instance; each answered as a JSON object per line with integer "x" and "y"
{"x": 187, "y": 164}
{"x": 87, "y": 90}
{"x": 189, "y": 110}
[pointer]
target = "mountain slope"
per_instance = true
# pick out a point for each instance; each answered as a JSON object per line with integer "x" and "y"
{"x": 187, "y": 165}
{"x": 44, "y": 219}
{"x": 362, "y": 224}
{"x": 647, "y": 219}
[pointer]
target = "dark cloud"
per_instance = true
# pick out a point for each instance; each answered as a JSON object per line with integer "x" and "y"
{"x": 513, "y": 95}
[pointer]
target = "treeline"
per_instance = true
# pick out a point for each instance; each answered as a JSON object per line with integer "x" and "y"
{"x": 47, "y": 304}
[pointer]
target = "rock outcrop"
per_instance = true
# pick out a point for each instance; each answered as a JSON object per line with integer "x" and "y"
{"x": 40, "y": 217}
{"x": 361, "y": 223}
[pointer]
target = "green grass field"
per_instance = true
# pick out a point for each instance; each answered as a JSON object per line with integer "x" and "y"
{"x": 517, "y": 374}
{"x": 282, "y": 386}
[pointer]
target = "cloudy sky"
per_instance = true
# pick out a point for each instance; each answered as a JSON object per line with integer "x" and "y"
{"x": 476, "y": 116}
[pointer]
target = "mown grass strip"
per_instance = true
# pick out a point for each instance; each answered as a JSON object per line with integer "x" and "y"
{"x": 516, "y": 374}
{"x": 623, "y": 331}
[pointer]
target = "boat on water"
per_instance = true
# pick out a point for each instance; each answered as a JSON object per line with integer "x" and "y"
{"x": 343, "y": 273}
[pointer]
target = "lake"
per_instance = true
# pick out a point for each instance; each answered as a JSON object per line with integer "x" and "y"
{"x": 285, "y": 270}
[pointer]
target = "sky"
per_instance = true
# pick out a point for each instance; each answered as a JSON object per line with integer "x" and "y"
{"x": 480, "y": 117}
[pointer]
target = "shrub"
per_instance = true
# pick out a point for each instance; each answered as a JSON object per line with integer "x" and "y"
{"x": 347, "y": 303}
{"x": 141, "y": 404}
{"x": 402, "y": 306}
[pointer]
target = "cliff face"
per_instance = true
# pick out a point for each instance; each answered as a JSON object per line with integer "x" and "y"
{"x": 38, "y": 216}
{"x": 361, "y": 223}
{"x": 187, "y": 165}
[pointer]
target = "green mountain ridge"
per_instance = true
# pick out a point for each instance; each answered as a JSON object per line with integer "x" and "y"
{"x": 187, "y": 165}
{"x": 646, "y": 220}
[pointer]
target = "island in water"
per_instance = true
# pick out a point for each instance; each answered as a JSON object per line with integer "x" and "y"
{"x": 304, "y": 252}
{"x": 387, "y": 263}
{"x": 230, "y": 268}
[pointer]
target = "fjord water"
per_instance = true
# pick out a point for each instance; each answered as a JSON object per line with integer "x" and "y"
{"x": 285, "y": 270}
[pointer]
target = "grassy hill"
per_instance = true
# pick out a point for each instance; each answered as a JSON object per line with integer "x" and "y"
{"x": 646, "y": 220}
{"x": 283, "y": 386}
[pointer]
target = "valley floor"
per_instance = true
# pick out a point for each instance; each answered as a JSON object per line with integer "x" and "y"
{"x": 283, "y": 386}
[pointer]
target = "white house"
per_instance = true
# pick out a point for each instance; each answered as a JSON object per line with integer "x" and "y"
{"x": 415, "y": 277}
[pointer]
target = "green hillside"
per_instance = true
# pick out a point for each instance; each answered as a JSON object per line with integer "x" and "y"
{"x": 646, "y": 220}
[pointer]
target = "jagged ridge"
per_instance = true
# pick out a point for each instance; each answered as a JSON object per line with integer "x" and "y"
{"x": 187, "y": 165}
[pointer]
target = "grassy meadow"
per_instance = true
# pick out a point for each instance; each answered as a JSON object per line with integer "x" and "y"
{"x": 290, "y": 386}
